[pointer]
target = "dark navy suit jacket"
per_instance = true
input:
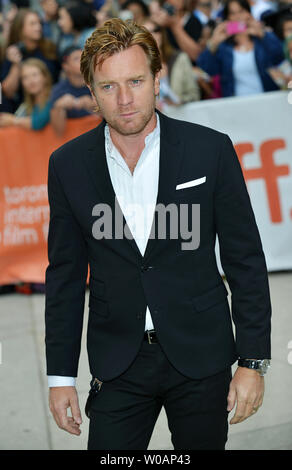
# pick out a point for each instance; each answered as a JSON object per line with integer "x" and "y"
{"x": 184, "y": 289}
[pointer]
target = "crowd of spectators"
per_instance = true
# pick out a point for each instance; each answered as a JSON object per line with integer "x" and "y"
{"x": 209, "y": 48}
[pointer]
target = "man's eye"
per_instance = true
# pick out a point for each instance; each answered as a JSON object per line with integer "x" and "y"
{"x": 136, "y": 82}
{"x": 106, "y": 87}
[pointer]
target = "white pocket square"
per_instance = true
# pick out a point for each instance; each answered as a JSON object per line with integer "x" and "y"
{"x": 189, "y": 184}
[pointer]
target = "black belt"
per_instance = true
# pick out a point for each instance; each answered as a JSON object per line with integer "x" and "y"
{"x": 150, "y": 336}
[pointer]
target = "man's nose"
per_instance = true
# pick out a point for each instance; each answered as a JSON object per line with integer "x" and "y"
{"x": 125, "y": 96}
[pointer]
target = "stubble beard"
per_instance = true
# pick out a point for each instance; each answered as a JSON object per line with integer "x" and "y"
{"x": 143, "y": 116}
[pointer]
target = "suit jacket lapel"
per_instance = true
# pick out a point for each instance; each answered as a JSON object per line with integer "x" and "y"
{"x": 97, "y": 166}
{"x": 170, "y": 161}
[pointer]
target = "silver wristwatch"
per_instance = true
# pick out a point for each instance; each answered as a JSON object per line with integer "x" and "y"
{"x": 260, "y": 365}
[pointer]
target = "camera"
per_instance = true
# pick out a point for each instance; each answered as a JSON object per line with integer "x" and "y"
{"x": 169, "y": 9}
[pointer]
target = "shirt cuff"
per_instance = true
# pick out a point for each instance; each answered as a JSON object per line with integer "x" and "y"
{"x": 61, "y": 381}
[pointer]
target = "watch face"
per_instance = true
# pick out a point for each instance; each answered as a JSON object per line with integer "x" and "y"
{"x": 264, "y": 365}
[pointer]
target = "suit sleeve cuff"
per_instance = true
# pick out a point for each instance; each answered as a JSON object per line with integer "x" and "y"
{"x": 61, "y": 381}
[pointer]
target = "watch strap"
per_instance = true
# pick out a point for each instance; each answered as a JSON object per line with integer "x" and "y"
{"x": 260, "y": 365}
{"x": 249, "y": 363}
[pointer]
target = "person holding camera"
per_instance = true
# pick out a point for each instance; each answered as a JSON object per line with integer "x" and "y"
{"x": 241, "y": 51}
{"x": 183, "y": 28}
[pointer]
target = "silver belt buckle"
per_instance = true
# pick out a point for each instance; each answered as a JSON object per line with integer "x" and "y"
{"x": 149, "y": 337}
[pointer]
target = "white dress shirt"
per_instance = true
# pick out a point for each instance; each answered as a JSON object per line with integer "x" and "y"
{"x": 136, "y": 194}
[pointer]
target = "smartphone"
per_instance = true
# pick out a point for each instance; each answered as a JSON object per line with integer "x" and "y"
{"x": 235, "y": 27}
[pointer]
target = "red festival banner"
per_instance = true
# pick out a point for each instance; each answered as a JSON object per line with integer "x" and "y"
{"x": 24, "y": 208}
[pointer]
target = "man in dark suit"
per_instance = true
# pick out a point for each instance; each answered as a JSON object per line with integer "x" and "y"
{"x": 159, "y": 330}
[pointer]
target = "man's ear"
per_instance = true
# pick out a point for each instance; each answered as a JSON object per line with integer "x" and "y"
{"x": 91, "y": 92}
{"x": 96, "y": 109}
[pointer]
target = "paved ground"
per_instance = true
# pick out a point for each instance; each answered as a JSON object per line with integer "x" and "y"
{"x": 25, "y": 420}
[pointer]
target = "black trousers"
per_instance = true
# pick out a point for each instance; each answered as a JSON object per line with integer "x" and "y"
{"x": 124, "y": 412}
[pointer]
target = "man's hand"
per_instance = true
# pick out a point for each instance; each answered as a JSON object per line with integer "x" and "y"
{"x": 61, "y": 398}
{"x": 247, "y": 390}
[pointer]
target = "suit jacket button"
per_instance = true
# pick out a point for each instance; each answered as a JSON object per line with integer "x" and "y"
{"x": 139, "y": 316}
{"x": 146, "y": 268}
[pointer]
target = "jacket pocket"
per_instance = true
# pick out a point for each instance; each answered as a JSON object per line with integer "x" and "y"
{"x": 98, "y": 306}
{"x": 97, "y": 288}
{"x": 190, "y": 184}
{"x": 210, "y": 298}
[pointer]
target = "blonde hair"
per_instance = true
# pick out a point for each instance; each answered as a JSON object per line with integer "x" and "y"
{"x": 116, "y": 35}
{"x": 28, "y": 98}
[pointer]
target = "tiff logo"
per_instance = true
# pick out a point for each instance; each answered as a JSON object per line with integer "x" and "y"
{"x": 269, "y": 171}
